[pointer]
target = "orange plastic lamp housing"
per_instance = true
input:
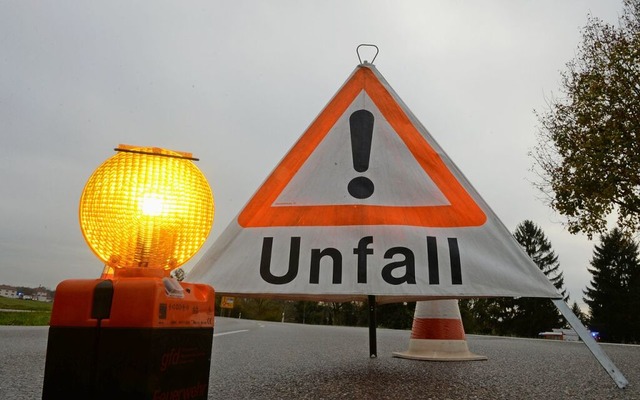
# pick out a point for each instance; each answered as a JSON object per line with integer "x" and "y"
{"x": 146, "y": 211}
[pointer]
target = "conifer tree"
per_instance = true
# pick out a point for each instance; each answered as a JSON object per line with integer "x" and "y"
{"x": 575, "y": 309}
{"x": 523, "y": 316}
{"x": 537, "y": 246}
{"x": 530, "y": 316}
{"x": 613, "y": 296}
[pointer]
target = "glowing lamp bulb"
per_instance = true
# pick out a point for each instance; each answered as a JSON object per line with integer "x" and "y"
{"x": 146, "y": 209}
{"x": 151, "y": 205}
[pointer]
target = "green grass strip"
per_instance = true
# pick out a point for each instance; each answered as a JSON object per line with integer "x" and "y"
{"x": 17, "y": 304}
{"x": 36, "y": 318}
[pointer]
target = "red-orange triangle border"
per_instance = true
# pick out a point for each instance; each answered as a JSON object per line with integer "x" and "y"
{"x": 462, "y": 210}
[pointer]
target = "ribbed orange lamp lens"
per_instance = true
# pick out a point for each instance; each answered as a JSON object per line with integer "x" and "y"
{"x": 146, "y": 208}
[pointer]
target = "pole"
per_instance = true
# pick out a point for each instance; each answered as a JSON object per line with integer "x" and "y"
{"x": 592, "y": 345}
{"x": 373, "y": 351}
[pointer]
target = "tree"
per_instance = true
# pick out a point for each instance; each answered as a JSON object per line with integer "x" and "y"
{"x": 535, "y": 243}
{"x": 485, "y": 316}
{"x": 614, "y": 293}
{"x": 588, "y": 151}
{"x": 575, "y": 309}
{"x": 395, "y": 315}
{"x": 522, "y": 316}
{"x": 308, "y": 312}
{"x": 530, "y": 316}
{"x": 260, "y": 309}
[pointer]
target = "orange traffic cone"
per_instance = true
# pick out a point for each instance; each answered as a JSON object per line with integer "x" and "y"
{"x": 437, "y": 333}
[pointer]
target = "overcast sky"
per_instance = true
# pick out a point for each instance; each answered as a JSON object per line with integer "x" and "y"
{"x": 237, "y": 82}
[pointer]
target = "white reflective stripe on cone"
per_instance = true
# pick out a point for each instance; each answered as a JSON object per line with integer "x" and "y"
{"x": 437, "y": 309}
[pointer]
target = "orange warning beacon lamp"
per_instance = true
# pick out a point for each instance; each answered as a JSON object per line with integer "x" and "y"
{"x": 136, "y": 332}
{"x": 146, "y": 211}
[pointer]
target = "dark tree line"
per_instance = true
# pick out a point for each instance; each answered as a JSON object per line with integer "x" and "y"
{"x": 354, "y": 313}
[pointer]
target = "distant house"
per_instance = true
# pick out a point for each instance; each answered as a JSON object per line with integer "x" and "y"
{"x": 41, "y": 295}
{"x": 8, "y": 291}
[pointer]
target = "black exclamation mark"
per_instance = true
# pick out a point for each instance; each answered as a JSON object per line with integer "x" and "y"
{"x": 361, "y": 124}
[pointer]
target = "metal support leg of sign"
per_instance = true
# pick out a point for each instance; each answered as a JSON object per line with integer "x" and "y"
{"x": 593, "y": 346}
{"x": 373, "y": 348}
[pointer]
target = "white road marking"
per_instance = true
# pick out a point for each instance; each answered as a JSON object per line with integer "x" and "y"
{"x": 230, "y": 332}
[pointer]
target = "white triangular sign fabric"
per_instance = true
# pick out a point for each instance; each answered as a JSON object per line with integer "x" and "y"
{"x": 367, "y": 203}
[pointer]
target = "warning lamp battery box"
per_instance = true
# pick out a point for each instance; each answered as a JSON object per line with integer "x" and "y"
{"x": 130, "y": 338}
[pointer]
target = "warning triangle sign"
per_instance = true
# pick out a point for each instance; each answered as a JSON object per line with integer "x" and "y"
{"x": 354, "y": 157}
{"x": 367, "y": 203}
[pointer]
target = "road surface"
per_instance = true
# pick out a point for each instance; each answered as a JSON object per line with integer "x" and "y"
{"x": 266, "y": 360}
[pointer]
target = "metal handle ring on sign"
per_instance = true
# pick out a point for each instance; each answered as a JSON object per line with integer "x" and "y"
{"x": 367, "y": 45}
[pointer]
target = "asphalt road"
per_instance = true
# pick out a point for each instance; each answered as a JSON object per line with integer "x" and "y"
{"x": 259, "y": 360}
